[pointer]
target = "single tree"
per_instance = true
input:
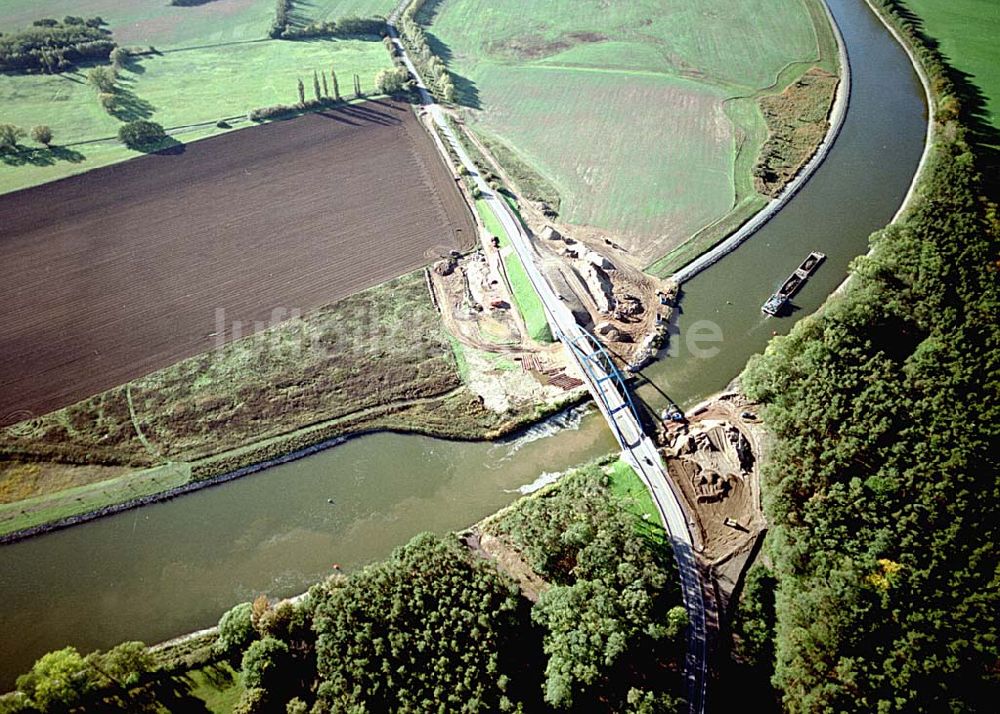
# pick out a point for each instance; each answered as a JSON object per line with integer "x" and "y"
{"x": 265, "y": 663}
{"x": 448, "y": 93}
{"x": 42, "y": 134}
{"x": 336, "y": 85}
{"x": 141, "y": 133}
{"x": 102, "y": 78}
{"x": 302, "y": 93}
{"x": 326, "y": 87}
{"x": 357, "y": 86}
{"x": 9, "y": 135}
{"x": 126, "y": 664}
{"x": 58, "y": 681}
{"x": 108, "y": 100}
{"x": 258, "y": 609}
{"x": 119, "y": 55}
{"x": 316, "y": 88}
{"x": 235, "y": 629}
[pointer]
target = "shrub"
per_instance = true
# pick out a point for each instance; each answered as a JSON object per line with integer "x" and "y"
{"x": 254, "y": 700}
{"x": 272, "y": 112}
{"x": 9, "y": 136}
{"x": 392, "y": 81}
{"x": 141, "y": 133}
{"x": 265, "y": 663}
{"x": 235, "y": 630}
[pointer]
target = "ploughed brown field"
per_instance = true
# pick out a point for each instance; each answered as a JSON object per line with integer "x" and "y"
{"x": 108, "y": 276}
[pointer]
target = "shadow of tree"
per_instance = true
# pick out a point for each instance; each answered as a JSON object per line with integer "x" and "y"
{"x": 134, "y": 65}
{"x": 972, "y": 107}
{"x": 219, "y": 675}
{"x": 128, "y": 105}
{"x": 360, "y": 114}
{"x": 39, "y": 156}
{"x": 174, "y": 695}
{"x": 298, "y": 16}
{"x": 466, "y": 92}
{"x": 166, "y": 147}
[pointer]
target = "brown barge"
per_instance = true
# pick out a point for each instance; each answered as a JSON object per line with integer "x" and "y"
{"x": 777, "y": 302}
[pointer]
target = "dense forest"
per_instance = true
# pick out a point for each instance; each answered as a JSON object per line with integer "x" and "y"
{"x": 435, "y": 627}
{"x": 55, "y": 46}
{"x": 882, "y": 486}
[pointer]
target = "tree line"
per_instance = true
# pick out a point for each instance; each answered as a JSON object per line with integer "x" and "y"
{"x": 326, "y": 92}
{"x": 282, "y": 27}
{"x": 882, "y": 486}
{"x": 439, "y": 80}
{"x": 55, "y": 46}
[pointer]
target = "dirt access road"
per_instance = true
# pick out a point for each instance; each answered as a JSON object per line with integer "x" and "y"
{"x": 110, "y": 275}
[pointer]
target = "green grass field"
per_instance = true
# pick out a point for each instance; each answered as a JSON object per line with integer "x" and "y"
{"x": 231, "y": 80}
{"x": 216, "y": 63}
{"x": 157, "y": 23}
{"x": 626, "y": 107}
{"x": 218, "y": 685}
{"x": 969, "y": 33}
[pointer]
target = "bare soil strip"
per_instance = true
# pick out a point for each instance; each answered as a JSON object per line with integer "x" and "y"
{"x": 111, "y": 275}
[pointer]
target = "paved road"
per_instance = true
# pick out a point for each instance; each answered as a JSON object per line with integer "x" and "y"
{"x": 637, "y": 448}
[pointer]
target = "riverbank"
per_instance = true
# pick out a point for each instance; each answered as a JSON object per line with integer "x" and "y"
{"x": 603, "y": 498}
{"x": 279, "y": 395}
{"x": 908, "y": 46}
{"x": 838, "y": 113}
{"x": 222, "y": 468}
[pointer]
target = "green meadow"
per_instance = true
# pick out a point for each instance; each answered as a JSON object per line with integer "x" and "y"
{"x": 642, "y": 115}
{"x": 214, "y": 63}
{"x": 969, "y": 33}
{"x": 157, "y": 23}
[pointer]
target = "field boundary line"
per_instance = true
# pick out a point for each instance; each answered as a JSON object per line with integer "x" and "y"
{"x": 837, "y": 116}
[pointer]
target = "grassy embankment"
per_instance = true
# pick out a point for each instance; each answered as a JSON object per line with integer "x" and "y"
{"x": 793, "y": 126}
{"x": 567, "y": 93}
{"x": 527, "y": 300}
{"x": 377, "y": 360}
{"x": 213, "y": 66}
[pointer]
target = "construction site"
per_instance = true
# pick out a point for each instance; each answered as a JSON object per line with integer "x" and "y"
{"x": 713, "y": 456}
{"x": 628, "y": 310}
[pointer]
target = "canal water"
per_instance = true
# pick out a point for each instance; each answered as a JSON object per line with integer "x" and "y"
{"x": 159, "y": 571}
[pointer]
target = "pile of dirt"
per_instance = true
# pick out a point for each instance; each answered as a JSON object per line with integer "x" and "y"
{"x": 475, "y": 303}
{"x": 713, "y": 460}
{"x": 626, "y": 308}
